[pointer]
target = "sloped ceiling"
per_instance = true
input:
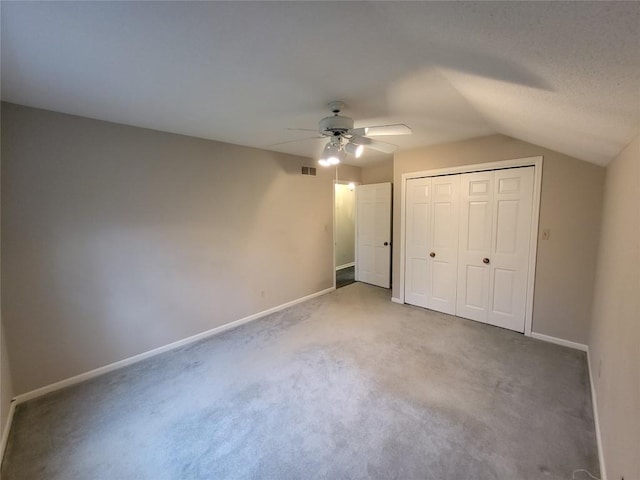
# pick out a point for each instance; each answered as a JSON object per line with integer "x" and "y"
{"x": 564, "y": 75}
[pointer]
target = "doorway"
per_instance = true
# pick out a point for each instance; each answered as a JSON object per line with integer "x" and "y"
{"x": 345, "y": 228}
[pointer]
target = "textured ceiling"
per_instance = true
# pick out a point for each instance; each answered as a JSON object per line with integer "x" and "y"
{"x": 564, "y": 75}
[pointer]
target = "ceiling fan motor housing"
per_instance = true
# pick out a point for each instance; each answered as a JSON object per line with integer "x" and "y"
{"x": 335, "y": 125}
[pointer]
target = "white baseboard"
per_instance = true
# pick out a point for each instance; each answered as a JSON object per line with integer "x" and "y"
{"x": 6, "y": 429}
{"x": 346, "y": 265}
{"x": 596, "y": 420}
{"x": 396, "y": 300}
{"x": 157, "y": 351}
{"x": 560, "y": 341}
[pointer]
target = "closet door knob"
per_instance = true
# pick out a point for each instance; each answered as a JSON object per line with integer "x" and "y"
{"x": 386, "y": 243}
{"x": 485, "y": 260}
{"x": 432, "y": 254}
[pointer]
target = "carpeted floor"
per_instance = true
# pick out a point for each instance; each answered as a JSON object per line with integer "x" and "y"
{"x": 345, "y": 386}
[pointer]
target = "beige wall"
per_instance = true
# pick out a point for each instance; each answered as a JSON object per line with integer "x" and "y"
{"x": 345, "y": 225}
{"x": 117, "y": 240}
{"x": 346, "y": 173}
{"x": 570, "y": 207}
{"x": 380, "y": 172}
{"x": 6, "y": 385}
{"x": 615, "y": 331}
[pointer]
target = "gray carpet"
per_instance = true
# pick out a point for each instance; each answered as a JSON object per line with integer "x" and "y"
{"x": 345, "y": 386}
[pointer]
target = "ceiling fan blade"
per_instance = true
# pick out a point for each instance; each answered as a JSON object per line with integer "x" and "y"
{"x": 380, "y": 130}
{"x": 303, "y": 129}
{"x": 374, "y": 144}
{"x": 296, "y": 140}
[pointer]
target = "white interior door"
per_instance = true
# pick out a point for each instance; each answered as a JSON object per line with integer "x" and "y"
{"x": 495, "y": 228}
{"x": 432, "y": 242}
{"x": 373, "y": 242}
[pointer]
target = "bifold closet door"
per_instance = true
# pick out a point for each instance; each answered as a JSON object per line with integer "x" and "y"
{"x": 495, "y": 229}
{"x": 432, "y": 242}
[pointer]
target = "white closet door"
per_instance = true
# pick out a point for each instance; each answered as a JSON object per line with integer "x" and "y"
{"x": 476, "y": 211}
{"x": 432, "y": 240}
{"x": 512, "y": 209}
{"x": 418, "y": 215}
{"x": 373, "y": 243}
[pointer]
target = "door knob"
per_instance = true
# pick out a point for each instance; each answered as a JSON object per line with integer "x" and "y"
{"x": 485, "y": 260}
{"x": 386, "y": 243}
{"x": 432, "y": 254}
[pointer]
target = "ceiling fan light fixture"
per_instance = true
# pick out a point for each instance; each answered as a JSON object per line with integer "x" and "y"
{"x": 331, "y": 155}
{"x": 353, "y": 149}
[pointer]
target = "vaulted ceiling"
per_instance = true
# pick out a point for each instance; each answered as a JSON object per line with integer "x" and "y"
{"x": 563, "y": 75}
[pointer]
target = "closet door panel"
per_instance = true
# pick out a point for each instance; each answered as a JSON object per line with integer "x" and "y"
{"x": 476, "y": 201}
{"x": 444, "y": 243}
{"x": 417, "y": 266}
{"x": 512, "y": 210}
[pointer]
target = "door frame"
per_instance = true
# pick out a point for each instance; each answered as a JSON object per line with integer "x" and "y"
{"x": 535, "y": 162}
{"x": 333, "y": 211}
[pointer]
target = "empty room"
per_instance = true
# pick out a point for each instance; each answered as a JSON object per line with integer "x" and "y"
{"x": 320, "y": 240}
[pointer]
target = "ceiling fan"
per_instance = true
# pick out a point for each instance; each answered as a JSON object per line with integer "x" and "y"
{"x": 344, "y": 139}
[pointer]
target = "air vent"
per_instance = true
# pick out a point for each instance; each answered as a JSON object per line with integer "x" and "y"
{"x": 309, "y": 171}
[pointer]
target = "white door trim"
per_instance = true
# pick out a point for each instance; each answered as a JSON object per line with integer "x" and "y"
{"x": 537, "y": 189}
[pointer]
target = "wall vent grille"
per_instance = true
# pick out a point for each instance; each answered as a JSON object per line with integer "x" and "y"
{"x": 309, "y": 171}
